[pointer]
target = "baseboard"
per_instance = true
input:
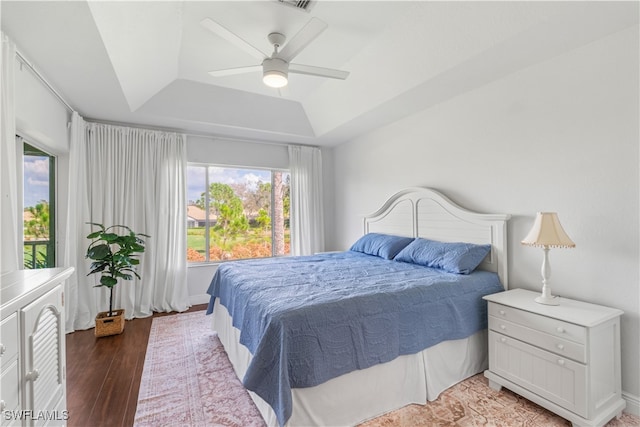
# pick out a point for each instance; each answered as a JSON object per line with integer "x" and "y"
{"x": 633, "y": 404}
{"x": 199, "y": 299}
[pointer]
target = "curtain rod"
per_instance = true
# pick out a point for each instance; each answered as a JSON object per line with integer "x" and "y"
{"x": 44, "y": 81}
{"x": 198, "y": 135}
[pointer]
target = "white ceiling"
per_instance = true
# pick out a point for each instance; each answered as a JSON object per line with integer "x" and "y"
{"x": 147, "y": 62}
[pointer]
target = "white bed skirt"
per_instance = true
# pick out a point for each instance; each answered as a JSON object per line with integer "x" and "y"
{"x": 364, "y": 394}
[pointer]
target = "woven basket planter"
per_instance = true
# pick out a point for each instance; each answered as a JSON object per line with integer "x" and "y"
{"x": 109, "y": 325}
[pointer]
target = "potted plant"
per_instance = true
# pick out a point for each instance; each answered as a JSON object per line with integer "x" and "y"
{"x": 114, "y": 256}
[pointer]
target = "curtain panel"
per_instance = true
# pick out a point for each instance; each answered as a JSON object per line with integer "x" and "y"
{"x": 10, "y": 245}
{"x": 137, "y": 178}
{"x": 307, "y": 218}
{"x": 80, "y": 305}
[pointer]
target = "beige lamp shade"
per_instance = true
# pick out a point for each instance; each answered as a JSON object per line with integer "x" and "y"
{"x": 547, "y": 232}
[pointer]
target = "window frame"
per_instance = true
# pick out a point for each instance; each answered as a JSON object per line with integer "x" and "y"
{"x": 28, "y": 148}
{"x": 207, "y": 183}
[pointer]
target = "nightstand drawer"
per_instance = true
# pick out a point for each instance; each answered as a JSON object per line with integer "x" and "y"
{"x": 547, "y": 325}
{"x": 559, "y": 346}
{"x": 560, "y": 380}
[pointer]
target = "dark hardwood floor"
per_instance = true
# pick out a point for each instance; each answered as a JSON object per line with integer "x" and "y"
{"x": 103, "y": 374}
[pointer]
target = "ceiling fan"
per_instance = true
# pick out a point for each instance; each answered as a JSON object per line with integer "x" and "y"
{"x": 277, "y": 66}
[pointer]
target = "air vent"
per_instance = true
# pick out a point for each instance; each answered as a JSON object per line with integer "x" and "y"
{"x": 305, "y": 5}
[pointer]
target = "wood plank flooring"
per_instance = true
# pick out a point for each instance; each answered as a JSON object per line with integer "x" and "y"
{"x": 103, "y": 374}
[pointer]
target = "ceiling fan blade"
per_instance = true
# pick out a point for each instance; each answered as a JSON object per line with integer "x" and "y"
{"x": 234, "y": 71}
{"x": 218, "y": 29}
{"x": 318, "y": 71}
{"x": 306, "y": 35}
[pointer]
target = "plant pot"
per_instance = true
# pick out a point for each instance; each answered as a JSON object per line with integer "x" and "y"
{"x": 109, "y": 325}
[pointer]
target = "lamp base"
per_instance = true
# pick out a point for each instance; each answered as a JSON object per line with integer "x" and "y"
{"x": 548, "y": 300}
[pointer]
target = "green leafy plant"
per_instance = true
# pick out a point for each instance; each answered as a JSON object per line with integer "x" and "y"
{"x": 114, "y": 255}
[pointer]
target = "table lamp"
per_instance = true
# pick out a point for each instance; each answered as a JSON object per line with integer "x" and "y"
{"x": 547, "y": 233}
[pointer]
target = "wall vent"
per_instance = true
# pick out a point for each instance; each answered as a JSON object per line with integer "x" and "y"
{"x": 305, "y": 5}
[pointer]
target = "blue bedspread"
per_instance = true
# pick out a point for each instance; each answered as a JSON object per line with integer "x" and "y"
{"x": 308, "y": 319}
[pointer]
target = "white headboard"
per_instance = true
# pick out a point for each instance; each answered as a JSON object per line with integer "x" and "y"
{"x": 423, "y": 212}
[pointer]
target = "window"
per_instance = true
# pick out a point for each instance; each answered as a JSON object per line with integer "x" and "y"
{"x": 236, "y": 213}
{"x": 38, "y": 208}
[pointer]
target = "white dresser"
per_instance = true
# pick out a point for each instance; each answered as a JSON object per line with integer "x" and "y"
{"x": 32, "y": 347}
{"x": 565, "y": 358}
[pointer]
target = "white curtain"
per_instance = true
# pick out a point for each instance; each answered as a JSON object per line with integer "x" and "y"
{"x": 307, "y": 218}
{"x": 9, "y": 220}
{"x": 80, "y": 313}
{"x": 137, "y": 178}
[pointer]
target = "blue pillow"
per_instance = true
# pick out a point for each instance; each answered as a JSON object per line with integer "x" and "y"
{"x": 383, "y": 245}
{"x": 460, "y": 258}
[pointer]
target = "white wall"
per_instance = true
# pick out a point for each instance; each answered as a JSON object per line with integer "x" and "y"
{"x": 40, "y": 116}
{"x": 42, "y": 120}
{"x": 560, "y": 136}
{"x": 237, "y": 153}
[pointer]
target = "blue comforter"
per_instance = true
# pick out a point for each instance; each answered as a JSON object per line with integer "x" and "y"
{"x": 308, "y": 319}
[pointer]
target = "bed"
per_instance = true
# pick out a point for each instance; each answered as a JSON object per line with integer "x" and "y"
{"x": 339, "y": 338}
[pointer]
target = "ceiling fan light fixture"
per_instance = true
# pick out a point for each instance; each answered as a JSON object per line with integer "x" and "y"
{"x": 275, "y": 72}
{"x": 277, "y": 66}
{"x": 274, "y": 79}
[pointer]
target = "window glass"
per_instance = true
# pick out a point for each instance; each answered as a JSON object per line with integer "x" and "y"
{"x": 38, "y": 210}
{"x": 236, "y": 213}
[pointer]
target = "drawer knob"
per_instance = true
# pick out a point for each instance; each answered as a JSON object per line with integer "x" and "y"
{"x": 502, "y": 312}
{"x": 503, "y": 339}
{"x": 503, "y": 327}
{"x": 3, "y": 349}
{"x": 560, "y": 329}
{"x": 561, "y": 362}
{"x": 560, "y": 346}
{"x": 33, "y": 375}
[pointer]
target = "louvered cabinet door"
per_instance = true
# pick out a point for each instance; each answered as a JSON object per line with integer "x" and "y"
{"x": 44, "y": 357}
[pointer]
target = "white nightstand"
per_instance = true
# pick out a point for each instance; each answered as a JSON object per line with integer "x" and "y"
{"x": 565, "y": 358}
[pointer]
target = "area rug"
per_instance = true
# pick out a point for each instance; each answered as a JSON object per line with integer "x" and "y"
{"x": 187, "y": 380}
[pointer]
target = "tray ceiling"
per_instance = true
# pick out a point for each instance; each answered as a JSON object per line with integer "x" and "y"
{"x": 147, "y": 62}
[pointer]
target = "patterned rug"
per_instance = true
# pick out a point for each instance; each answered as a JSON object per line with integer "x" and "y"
{"x": 187, "y": 380}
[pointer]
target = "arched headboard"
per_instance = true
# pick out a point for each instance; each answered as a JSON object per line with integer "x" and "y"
{"x": 424, "y": 212}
